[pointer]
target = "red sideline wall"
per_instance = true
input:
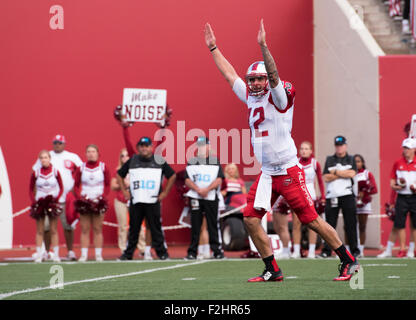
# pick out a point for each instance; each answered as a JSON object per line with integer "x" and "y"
{"x": 397, "y": 104}
{"x": 69, "y": 81}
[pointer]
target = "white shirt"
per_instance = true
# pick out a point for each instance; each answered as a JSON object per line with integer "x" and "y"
{"x": 270, "y": 119}
{"x": 65, "y": 162}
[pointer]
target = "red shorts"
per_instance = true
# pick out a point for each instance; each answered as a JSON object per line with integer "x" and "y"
{"x": 293, "y": 188}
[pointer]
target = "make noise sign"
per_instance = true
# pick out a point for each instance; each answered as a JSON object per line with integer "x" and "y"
{"x": 144, "y": 105}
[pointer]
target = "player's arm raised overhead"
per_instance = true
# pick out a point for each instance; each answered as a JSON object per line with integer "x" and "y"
{"x": 223, "y": 65}
{"x": 276, "y": 86}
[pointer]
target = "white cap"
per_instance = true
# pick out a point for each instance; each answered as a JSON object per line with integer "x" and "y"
{"x": 409, "y": 143}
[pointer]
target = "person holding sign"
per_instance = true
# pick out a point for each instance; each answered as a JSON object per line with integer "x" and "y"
{"x": 146, "y": 172}
{"x": 203, "y": 177}
{"x": 145, "y": 239}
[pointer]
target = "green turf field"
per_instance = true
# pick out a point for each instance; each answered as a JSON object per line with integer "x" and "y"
{"x": 209, "y": 279}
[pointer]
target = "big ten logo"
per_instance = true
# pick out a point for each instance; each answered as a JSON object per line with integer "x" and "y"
{"x": 356, "y": 17}
{"x": 57, "y": 20}
{"x": 202, "y": 177}
{"x": 144, "y": 184}
{"x": 357, "y": 280}
{"x": 57, "y": 280}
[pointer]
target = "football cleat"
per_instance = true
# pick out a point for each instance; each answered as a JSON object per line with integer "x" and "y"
{"x": 268, "y": 276}
{"x": 346, "y": 270}
{"x": 410, "y": 254}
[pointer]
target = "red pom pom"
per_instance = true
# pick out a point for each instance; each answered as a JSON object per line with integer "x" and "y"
{"x": 45, "y": 206}
{"x": 83, "y": 205}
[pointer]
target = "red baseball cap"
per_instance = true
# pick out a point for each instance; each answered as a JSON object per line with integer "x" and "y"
{"x": 59, "y": 138}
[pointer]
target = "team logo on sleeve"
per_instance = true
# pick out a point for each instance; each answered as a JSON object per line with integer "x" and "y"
{"x": 69, "y": 165}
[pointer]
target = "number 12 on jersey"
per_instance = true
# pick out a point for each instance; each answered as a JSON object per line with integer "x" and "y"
{"x": 257, "y": 132}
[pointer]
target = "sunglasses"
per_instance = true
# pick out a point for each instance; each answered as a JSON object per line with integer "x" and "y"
{"x": 57, "y": 142}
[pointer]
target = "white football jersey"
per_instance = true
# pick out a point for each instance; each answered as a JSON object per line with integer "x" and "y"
{"x": 270, "y": 120}
{"x": 65, "y": 162}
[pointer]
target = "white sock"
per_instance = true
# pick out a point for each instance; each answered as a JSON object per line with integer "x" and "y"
{"x": 56, "y": 251}
{"x": 147, "y": 250}
{"x": 98, "y": 252}
{"x": 200, "y": 248}
{"x": 296, "y": 249}
{"x": 312, "y": 249}
{"x": 39, "y": 250}
{"x": 84, "y": 252}
{"x": 43, "y": 248}
{"x": 286, "y": 250}
{"x": 389, "y": 246}
{"x": 411, "y": 246}
{"x": 206, "y": 249}
{"x": 361, "y": 247}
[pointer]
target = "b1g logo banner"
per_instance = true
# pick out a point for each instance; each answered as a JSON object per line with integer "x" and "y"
{"x": 144, "y": 105}
{"x": 144, "y": 184}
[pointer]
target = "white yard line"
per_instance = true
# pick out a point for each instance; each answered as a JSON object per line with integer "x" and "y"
{"x": 13, "y": 293}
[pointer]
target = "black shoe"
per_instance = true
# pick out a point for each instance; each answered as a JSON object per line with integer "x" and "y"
{"x": 190, "y": 256}
{"x": 268, "y": 276}
{"x": 346, "y": 270}
{"x": 219, "y": 256}
{"x": 124, "y": 258}
{"x": 164, "y": 256}
{"x": 323, "y": 255}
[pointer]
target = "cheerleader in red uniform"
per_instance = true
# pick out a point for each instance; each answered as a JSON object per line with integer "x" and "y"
{"x": 92, "y": 184}
{"x": 366, "y": 188}
{"x": 44, "y": 190}
{"x": 313, "y": 172}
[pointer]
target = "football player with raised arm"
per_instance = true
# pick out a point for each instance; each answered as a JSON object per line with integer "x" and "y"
{"x": 270, "y": 104}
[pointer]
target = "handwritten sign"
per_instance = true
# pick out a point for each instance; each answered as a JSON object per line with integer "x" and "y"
{"x": 144, "y": 105}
